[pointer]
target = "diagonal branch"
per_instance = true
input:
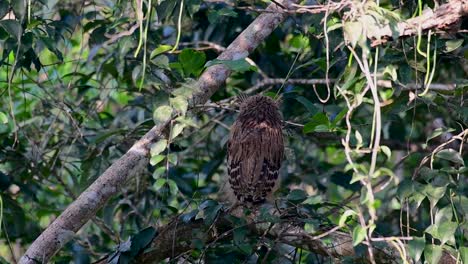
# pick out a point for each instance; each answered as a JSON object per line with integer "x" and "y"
{"x": 110, "y": 182}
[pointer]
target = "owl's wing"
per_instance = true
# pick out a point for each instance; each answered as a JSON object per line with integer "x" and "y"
{"x": 254, "y": 158}
{"x": 273, "y": 146}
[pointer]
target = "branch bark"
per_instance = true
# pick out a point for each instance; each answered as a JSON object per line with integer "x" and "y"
{"x": 445, "y": 18}
{"x": 381, "y": 83}
{"x": 109, "y": 183}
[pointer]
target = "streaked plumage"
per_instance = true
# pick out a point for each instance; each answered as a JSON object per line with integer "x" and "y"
{"x": 255, "y": 149}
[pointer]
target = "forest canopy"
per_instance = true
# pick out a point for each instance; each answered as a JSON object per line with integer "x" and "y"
{"x": 114, "y": 118}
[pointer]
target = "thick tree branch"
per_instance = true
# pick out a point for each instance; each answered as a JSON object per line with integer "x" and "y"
{"x": 381, "y": 83}
{"x": 445, "y": 18}
{"x": 110, "y": 182}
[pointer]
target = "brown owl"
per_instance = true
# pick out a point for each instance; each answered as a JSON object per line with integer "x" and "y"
{"x": 255, "y": 149}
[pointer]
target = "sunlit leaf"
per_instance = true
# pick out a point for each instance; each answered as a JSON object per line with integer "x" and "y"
{"x": 180, "y": 104}
{"x": 156, "y": 159}
{"x": 359, "y": 234}
{"x": 159, "y": 183}
{"x": 162, "y": 114}
{"x": 159, "y": 50}
{"x": 345, "y": 216}
{"x": 453, "y": 44}
{"x": 158, "y": 147}
{"x": 446, "y": 231}
{"x": 3, "y": 118}
{"x": 172, "y": 158}
{"x": 177, "y": 129}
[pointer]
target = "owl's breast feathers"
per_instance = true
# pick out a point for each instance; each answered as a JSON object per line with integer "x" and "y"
{"x": 255, "y": 153}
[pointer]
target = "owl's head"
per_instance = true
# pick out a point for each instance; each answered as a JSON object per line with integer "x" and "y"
{"x": 259, "y": 107}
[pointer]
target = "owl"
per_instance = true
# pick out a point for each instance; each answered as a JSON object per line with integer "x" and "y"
{"x": 255, "y": 150}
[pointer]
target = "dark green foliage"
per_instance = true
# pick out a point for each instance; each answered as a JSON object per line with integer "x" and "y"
{"x": 79, "y": 84}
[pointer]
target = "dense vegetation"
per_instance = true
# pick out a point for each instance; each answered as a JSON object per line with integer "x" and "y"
{"x": 374, "y": 127}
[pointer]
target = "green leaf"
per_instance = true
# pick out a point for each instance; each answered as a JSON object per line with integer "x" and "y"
{"x": 246, "y": 248}
{"x": 172, "y": 158}
{"x": 158, "y": 147}
{"x": 192, "y": 61}
{"x": 405, "y": 189}
{"x": 298, "y": 42}
{"x": 416, "y": 247}
{"x": 189, "y": 216}
{"x": 464, "y": 254}
{"x": 434, "y": 193}
{"x": 141, "y": 240}
{"x": 3, "y": 261}
{"x": 364, "y": 197}
{"x": 240, "y": 65}
{"x": 453, "y": 44}
{"x": 162, "y": 114}
{"x": 433, "y": 253}
{"x": 318, "y": 123}
{"x": 359, "y": 234}
{"x": 211, "y": 213}
{"x": 439, "y": 131}
{"x": 308, "y": 105}
{"x": 3, "y": 118}
{"x": 156, "y": 159}
{"x": 391, "y": 71}
{"x": 180, "y": 104}
{"x": 172, "y": 186}
{"x": 206, "y": 204}
{"x": 357, "y": 177}
{"x": 433, "y": 231}
{"x": 358, "y": 137}
{"x": 159, "y": 183}
{"x": 176, "y": 130}
{"x": 214, "y": 16}
{"x": 239, "y": 235}
{"x": 158, "y": 172}
{"x": 446, "y": 231}
{"x": 162, "y": 61}
{"x": 443, "y": 215}
{"x": 19, "y": 8}
{"x": 4, "y": 7}
{"x": 185, "y": 91}
{"x": 11, "y": 26}
{"x": 297, "y": 195}
{"x": 340, "y": 116}
{"x": 345, "y": 216}
{"x": 386, "y": 150}
{"x": 159, "y": 50}
{"x": 451, "y": 155}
